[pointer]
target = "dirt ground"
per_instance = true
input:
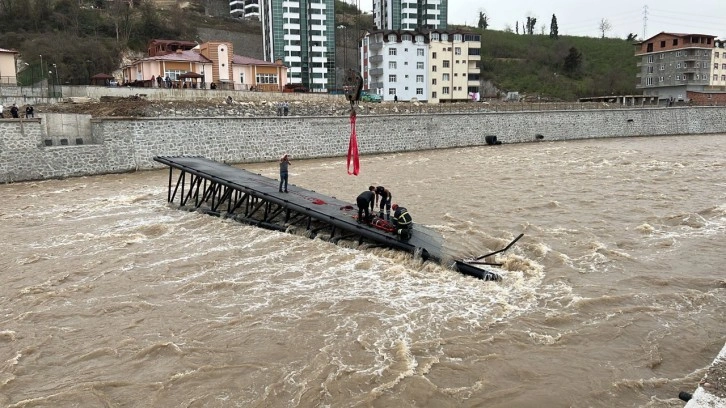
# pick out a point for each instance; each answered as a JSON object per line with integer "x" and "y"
{"x": 109, "y": 106}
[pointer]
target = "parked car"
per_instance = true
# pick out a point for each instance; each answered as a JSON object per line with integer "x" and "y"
{"x": 295, "y": 88}
{"x": 369, "y": 97}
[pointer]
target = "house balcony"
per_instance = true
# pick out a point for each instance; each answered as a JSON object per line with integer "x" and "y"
{"x": 375, "y": 72}
{"x": 376, "y": 85}
{"x": 375, "y": 46}
{"x": 375, "y": 59}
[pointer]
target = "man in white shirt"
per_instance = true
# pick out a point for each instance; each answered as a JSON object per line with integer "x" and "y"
{"x": 1, "y": 111}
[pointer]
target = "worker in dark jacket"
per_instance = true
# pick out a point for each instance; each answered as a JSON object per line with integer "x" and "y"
{"x": 402, "y": 221}
{"x": 366, "y": 201}
{"x": 386, "y": 198}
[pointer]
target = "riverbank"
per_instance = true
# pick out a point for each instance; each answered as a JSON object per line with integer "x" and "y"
{"x": 711, "y": 391}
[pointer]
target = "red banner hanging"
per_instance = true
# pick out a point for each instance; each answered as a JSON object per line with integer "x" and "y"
{"x": 353, "y": 147}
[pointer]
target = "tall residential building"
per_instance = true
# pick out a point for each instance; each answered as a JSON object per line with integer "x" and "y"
{"x": 245, "y": 8}
{"x": 430, "y": 65}
{"x": 301, "y": 33}
{"x": 410, "y": 14}
{"x": 672, "y": 64}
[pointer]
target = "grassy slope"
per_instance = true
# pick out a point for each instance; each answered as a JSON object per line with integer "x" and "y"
{"x": 533, "y": 64}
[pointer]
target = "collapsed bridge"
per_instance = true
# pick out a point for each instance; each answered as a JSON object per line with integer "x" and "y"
{"x": 200, "y": 184}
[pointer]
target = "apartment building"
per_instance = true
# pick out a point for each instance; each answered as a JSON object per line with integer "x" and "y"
{"x": 671, "y": 64}
{"x": 410, "y": 14}
{"x": 302, "y": 35}
{"x": 425, "y": 65}
{"x": 394, "y": 64}
{"x": 454, "y": 66}
{"x": 718, "y": 65}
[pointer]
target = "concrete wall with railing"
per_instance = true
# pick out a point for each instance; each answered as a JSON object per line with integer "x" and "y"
{"x": 29, "y": 149}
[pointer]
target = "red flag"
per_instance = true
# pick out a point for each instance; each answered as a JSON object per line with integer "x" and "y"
{"x": 353, "y": 147}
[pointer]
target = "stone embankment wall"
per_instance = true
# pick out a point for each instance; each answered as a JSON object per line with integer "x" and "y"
{"x": 128, "y": 144}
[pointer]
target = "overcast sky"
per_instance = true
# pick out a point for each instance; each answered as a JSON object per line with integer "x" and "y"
{"x": 582, "y": 17}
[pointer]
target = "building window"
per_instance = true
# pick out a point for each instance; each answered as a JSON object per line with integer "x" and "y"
{"x": 723, "y": 77}
{"x": 433, "y": 81}
{"x": 445, "y": 77}
{"x": 392, "y": 64}
{"x": 716, "y": 54}
{"x": 392, "y": 51}
{"x": 434, "y": 36}
{"x": 266, "y": 78}
{"x": 419, "y": 65}
{"x": 662, "y": 67}
{"x": 662, "y": 55}
{"x": 650, "y": 59}
{"x": 241, "y": 78}
{"x": 457, "y": 37}
{"x": 446, "y": 64}
{"x": 457, "y": 50}
{"x": 715, "y": 77}
{"x": 433, "y": 94}
{"x": 419, "y": 78}
{"x": 678, "y": 77}
{"x": 661, "y": 79}
{"x": 445, "y": 90}
{"x": 391, "y": 78}
{"x": 391, "y": 37}
{"x": 420, "y": 52}
{"x": 419, "y": 91}
{"x": 715, "y": 65}
{"x": 649, "y": 81}
{"x": 723, "y": 66}
{"x": 433, "y": 68}
{"x": 391, "y": 91}
{"x": 406, "y": 37}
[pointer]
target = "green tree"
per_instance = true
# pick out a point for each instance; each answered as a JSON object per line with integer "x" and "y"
{"x": 531, "y": 22}
{"x": 632, "y": 37}
{"x": 573, "y": 63}
{"x": 554, "y": 34}
{"x": 483, "y": 21}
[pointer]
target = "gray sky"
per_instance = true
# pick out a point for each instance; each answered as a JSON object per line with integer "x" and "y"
{"x": 582, "y": 18}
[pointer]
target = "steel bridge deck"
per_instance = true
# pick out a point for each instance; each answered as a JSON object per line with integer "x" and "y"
{"x": 222, "y": 190}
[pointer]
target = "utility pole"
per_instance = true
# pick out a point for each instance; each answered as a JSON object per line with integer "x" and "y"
{"x": 645, "y": 21}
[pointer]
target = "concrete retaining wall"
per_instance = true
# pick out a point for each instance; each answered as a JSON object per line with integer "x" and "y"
{"x": 128, "y": 144}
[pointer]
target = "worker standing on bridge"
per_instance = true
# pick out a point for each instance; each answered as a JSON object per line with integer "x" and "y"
{"x": 402, "y": 222}
{"x": 386, "y": 198}
{"x": 284, "y": 163}
{"x": 366, "y": 201}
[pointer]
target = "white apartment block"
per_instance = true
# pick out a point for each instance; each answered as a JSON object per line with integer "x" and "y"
{"x": 434, "y": 66}
{"x": 302, "y": 34}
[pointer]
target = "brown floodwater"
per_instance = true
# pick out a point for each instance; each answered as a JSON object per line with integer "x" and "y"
{"x": 615, "y": 296}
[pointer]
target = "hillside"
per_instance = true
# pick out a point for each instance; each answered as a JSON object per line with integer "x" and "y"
{"x": 538, "y": 65}
{"x": 94, "y": 39}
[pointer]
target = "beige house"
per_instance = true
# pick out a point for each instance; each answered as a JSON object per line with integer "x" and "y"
{"x": 208, "y": 65}
{"x": 8, "y": 74}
